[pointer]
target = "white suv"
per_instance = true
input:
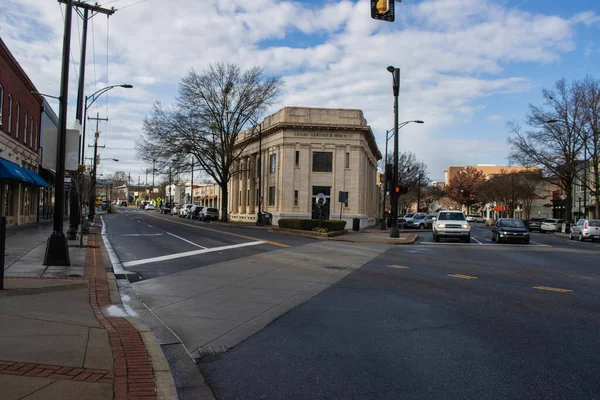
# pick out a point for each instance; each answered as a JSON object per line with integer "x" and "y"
{"x": 183, "y": 211}
{"x": 451, "y": 224}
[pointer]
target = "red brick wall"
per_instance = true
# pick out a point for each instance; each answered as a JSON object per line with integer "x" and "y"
{"x": 15, "y": 82}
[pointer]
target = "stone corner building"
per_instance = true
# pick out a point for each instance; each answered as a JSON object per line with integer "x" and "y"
{"x": 307, "y": 151}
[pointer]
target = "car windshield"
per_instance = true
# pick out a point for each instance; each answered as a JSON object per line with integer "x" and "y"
{"x": 213, "y": 210}
{"x": 409, "y": 215}
{"x": 550, "y": 221}
{"x": 454, "y": 216}
{"x": 420, "y": 217}
{"x": 512, "y": 223}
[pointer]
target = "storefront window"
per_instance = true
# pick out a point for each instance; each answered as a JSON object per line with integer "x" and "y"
{"x": 8, "y": 200}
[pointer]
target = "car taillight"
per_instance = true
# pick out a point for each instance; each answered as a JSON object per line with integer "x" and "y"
{"x": 585, "y": 225}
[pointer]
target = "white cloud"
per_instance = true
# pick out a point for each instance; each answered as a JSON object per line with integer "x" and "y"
{"x": 452, "y": 54}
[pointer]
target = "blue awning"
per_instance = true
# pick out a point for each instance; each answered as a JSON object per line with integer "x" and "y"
{"x": 39, "y": 181}
{"x": 14, "y": 172}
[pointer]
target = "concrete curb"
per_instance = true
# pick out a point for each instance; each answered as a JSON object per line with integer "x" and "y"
{"x": 411, "y": 239}
{"x": 301, "y": 232}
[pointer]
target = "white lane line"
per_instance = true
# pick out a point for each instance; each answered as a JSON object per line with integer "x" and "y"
{"x": 189, "y": 254}
{"x": 185, "y": 240}
{"x": 142, "y": 234}
{"x": 150, "y": 225}
{"x": 476, "y": 240}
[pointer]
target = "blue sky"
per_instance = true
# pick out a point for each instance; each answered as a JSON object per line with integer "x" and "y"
{"x": 468, "y": 66}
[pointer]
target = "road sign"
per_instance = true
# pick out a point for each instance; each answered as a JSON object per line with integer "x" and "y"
{"x": 67, "y": 183}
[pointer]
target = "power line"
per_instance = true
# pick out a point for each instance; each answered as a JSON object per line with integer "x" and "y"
{"x": 133, "y": 4}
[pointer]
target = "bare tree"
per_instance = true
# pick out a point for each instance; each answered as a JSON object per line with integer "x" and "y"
{"x": 212, "y": 111}
{"x": 82, "y": 181}
{"x": 589, "y": 90}
{"x": 432, "y": 194}
{"x": 510, "y": 189}
{"x": 464, "y": 186}
{"x": 554, "y": 141}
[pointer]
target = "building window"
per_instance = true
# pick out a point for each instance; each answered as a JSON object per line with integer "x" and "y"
{"x": 295, "y": 198}
{"x": 322, "y": 161}
{"x": 9, "y": 115}
{"x": 271, "y": 195}
{"x": 1, "y": 102}
{"x": 31, "y": 133}
{"x": 347, "y": 161}
{"x": 17, "y": 121}
{"x": 273, "y": 163}
{"x": 25, "y": 128}
{"x": 297, "y": 158}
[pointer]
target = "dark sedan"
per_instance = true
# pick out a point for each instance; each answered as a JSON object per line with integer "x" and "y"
{"x": 510, "y": 230}
{"x": 534, "y": 224}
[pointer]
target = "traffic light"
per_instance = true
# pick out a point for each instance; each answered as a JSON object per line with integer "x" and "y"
{"x": 382, "y": 10}
{"x": 400, "y": 190}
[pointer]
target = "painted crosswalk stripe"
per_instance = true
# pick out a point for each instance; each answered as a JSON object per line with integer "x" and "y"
{"x": 188, "y": 254}
{"x": 398, "y": 266}
{"x": 552, "y": 289}
{"x": 462, "y": 276}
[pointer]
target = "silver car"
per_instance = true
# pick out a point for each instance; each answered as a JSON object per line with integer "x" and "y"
{"x": 208, "y": 214}
{"x": 551, "y": 225}
{"x": 586, "y": 229}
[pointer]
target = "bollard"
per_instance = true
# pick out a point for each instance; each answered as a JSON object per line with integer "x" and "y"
{"x": 2, "y": 248}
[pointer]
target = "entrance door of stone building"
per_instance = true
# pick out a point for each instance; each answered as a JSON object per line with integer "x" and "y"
{"x": 326, "y": 190}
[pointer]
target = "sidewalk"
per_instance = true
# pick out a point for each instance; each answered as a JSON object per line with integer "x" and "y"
{"x": 26, "y": 247}
{"x": 70, "y": 338}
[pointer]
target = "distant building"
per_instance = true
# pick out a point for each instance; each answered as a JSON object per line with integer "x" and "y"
{"x": 305, "y": 152}
{"x": 487, "y": 169}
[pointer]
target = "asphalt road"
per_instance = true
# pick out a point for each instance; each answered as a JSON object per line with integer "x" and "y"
{"x": 435, "y": 321}
{"x": 150, "y": 244}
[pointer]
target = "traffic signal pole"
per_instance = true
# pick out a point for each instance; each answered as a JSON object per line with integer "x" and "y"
{"x": 394, "y": 232}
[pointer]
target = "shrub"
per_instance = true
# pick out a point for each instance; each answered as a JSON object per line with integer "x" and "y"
{"x": 311, "y": 224}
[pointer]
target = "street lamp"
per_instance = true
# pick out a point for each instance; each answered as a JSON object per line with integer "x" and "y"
{"x": 394, "y": 233}
{"x": 387, "y": 138}
{"x": 93, "y": 98}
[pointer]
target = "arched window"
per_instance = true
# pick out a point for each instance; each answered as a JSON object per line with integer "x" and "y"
{"x": 31, "y": 134}
{"x": 9, "y": 115}
{"x": 17, "y": 121}
{"x": 25, "y": 128}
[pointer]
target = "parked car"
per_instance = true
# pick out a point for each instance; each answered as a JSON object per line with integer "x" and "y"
{"x": 407, "y": 220}
{"x": 209, "y": 214}
{"x": 195, "y": 212}
{"x": 451, "y": 224}
{"x": 149, "y": 206}
{"x": 551, "y": 225}
{"x": 183, "y": 211}
{"x": 143, "y": 204}
{"x": 586, "y": 229}
{"x": 534, "y": 224}
{"x": 475, "y": 218}
{"x": 424, "y": 222}
{"x": 165, "y": 208}
{"x": 176, "y": 209}
{"x": 510, "y": 229}
{"x": 123, "y": 203}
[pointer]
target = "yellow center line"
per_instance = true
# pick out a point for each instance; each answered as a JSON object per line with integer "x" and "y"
{"x": 398, "y": 266}
{"x": 223, "y": 232}
{"x": 462, "y": 276}
{"x": 552, "y": 289}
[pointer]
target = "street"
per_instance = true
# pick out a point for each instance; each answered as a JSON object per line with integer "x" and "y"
{"x": 448, "y": 320}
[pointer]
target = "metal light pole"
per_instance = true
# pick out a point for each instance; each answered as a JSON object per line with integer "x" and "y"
{"x": 57, "y": 247}
{"x": 383, "y": 225}
{"x": 394, "y": 232}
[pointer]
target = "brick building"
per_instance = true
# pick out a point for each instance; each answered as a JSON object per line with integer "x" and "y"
{"x": 20, "y": 116}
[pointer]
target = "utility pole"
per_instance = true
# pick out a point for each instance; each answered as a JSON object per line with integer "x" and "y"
{"x": 192, "y": 184}
{"x": 93, "y": 195}
{"x": 170, "y": 186}
{"x": 74, "y": 205}
{"x": 57, "y": 247}
{"x": 394, "y": 232}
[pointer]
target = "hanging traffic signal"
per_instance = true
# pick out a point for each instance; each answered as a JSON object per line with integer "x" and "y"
{"x": 382, "y": 10}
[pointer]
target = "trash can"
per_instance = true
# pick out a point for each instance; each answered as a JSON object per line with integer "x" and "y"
{"x": 267, "y": 218}
{"x": 356, "y": 224}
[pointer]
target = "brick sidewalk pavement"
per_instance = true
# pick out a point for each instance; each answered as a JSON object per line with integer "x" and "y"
{"x": 134, "y": 377}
